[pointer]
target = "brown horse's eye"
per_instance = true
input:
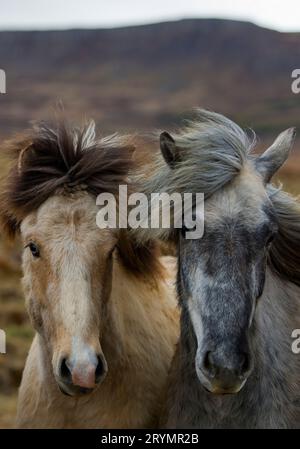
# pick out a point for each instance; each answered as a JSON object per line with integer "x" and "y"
{"x": 34, "y": 249}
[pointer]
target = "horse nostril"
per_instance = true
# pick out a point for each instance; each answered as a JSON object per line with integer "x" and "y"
{"x": 206, "y": 361}
{"x": 208, "y": 364}
{"x": 244, "y": 363}
{"x": 65, "y": 373}
{"x": 85, "y": 374}
{"x": 100, "y": 370}
{"x": 215, "y": 366}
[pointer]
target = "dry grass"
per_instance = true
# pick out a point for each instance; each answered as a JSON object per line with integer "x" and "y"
{"x": 7, "y": 410}
{"x": 13, "y": 319}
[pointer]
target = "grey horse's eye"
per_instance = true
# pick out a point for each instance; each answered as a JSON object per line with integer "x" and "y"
{"x": 35, "y": 251}
{"x": 270, "y": 239}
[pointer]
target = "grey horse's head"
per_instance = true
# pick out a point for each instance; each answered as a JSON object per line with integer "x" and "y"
{"x": 221, "y": 275}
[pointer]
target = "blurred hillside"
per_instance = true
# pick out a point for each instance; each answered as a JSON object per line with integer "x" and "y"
{"x": 146, "y": 76}
{"x": 138, "y": 78}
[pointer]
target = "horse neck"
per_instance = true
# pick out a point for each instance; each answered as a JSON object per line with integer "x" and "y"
{"x": 277, "y": 315}
{"x": 128, "y": 314}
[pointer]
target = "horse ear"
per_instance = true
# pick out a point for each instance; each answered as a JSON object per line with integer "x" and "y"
{"x": 275, "y": 156}
{"x": 168, "y": 149}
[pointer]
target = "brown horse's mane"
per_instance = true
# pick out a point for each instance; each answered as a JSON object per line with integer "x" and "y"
{"x": 61, "y": 158}
{"x": 49, "y": 158}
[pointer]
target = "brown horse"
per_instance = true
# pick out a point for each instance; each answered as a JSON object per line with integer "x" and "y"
{"x": 103, "y": 309}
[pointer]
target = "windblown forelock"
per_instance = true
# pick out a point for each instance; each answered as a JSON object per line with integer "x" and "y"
{"x": 52, "y": 158}
{"x": 214, "y": 150}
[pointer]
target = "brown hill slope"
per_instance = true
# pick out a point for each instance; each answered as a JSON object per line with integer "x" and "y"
{"x": 144, "y": 76}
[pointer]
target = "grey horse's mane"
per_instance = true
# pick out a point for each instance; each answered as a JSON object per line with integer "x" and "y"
{"x": 284, "y": 255}
{"x": 212, "y": 150}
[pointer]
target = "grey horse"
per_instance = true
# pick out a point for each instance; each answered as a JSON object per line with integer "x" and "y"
{"x": 238, "y": 286}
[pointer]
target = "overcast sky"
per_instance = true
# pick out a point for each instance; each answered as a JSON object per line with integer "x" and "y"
{"x": 41, "y": 14}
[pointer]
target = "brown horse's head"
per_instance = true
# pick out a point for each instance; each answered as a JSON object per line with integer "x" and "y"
{"x": 50, "y": 198}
